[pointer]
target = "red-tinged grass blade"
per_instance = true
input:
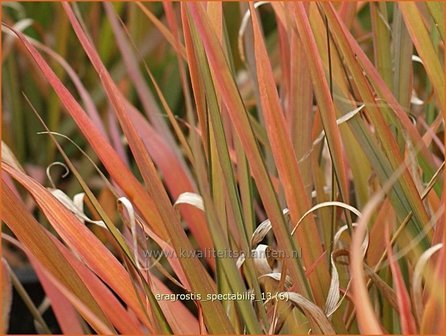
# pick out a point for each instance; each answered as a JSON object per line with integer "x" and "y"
{"x": 323, "y": 96}
{"x": 83, "y": 93}
{"x": 347, "y": 12}
{"x": 381, "y": 88}
{"x": 185, "y": 82}
{"x": 160, "y": 318}
{"x": 365, "y": 315}
{"x": 114, "y": 165}
{"x": 139, "y": 83}
{"x": 87, "y": 100}
{"x": 171, "y": 18}
{"x": 434, "y": 309}
{"x": 335, "y": 63}
{"x": 426, "y": 51}
{"x": 407, "y": 319}
{"x": 327, "y": 111}
{"x": 66, "y": 315}
{"x": 33, "y": 237}
{"x": 115, "y": 137}
{"x": 300, "y": 107}
{"x": 5, "y": 295}
{"x": 175, "y": 177}
{"x": 170, "y": 115}
{"x": 215, "y": 11}
{"x": 77, "y": 302}
{"x": 142, "y": 158}
{"x": 124, "y": 321}
{"x": 221, "y": 196}
{"x": 286, "y": 163}
{"x": 200, "y": 282}
{"x": 355, "y": 152}
{"x": 405, "y": 196}
{"x": 183, "y": 322}
{"x": 226, "y": 87}
{"x": 285, "y": 44}
{"x": 172, "y": 118}
{"x": 377, "y": 245}
{"x": 119, "y": 239}
{"x": 81, "y": 240}
{"x": 225, "y": 201}
{"x": 171, "y": 38}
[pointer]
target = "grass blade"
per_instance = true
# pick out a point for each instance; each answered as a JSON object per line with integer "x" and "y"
{"x": 117, "y": 169}
{"x": 405, "y": 197}
{"x": 286, "y": 161}
{"x": 425, "y": 49}
{"x": 227, "y": 88}
{"x": 42, "y": 248}
{"x": 214, "y": 314}
{"x": 6, "y": 296}
{"x": 407, "y": 320}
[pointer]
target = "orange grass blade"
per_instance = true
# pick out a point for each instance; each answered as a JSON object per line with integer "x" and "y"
{"x": 227, "y": 88}
{"x": 176, "y": 177}
{"x": 223, "y": 208}
{"x": 182, "y": 321}
{"x": 407, "y": 319}
{"x": 81, "y": 240}
{"x": 139, "y": 83}
{"x": 423, "y": 44}
{"x": 122, "y": 319}
{"x": 323, "y": 97}
{"x": 114, "y": 165}
{"x": 435, "y": 305}
{"x": 378, "y": 84}
{"x": 65, "y": 313}
{"x": 5, "y": 295}
{"x": 30, "y": 233}
{"x": 171, "y": 38}
{"x": 77, "y": 302}
{"x": 214, "y": 314}
{"x": 405, "y": 197}
{"x": 160, "y": 318}
{"x": 286, "y": 163}
{"x": 365, "y": 315}
{"x": 300, "y": 107}
{"x": 142, "y": 158}
{"x": 63, "y": 309}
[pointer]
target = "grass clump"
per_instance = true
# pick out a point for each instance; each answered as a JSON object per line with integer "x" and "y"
{"x": 229, "y": 167}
